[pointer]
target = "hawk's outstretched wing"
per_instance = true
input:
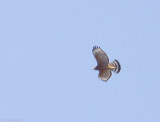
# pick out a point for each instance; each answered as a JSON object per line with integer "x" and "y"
{"x": 100, "y": 56}
{"x": 105, "y": 74}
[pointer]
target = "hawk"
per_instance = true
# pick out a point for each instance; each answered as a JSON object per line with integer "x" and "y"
{"x": 103, "y": 65}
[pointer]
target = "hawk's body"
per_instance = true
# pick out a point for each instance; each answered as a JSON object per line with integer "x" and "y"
{"x": 103, "y": 64}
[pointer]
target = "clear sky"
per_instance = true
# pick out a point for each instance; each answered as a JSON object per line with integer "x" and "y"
{"x": 46, "y": 60}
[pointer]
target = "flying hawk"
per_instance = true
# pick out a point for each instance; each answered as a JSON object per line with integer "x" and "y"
{"x": 103, "y": 65}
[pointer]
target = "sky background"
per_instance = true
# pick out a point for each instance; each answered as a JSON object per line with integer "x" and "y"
{"x": 46, "y": 60}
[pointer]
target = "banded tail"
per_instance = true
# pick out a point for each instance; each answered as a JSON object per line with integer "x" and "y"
{"x": 115, "y": 66}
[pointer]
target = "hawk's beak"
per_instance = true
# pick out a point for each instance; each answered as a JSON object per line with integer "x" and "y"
{"x": 94, "y": 68}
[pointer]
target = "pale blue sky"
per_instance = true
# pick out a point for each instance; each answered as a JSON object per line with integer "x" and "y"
{"x": 46, "y": 60}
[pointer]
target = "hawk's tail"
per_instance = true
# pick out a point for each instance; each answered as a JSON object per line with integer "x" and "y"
{"x": 117, "y": 66}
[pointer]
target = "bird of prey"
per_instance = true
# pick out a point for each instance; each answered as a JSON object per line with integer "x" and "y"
{"x": 103, "y": 65}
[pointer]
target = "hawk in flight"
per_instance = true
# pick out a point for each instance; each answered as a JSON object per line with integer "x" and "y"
{"x": 103, "y": 65}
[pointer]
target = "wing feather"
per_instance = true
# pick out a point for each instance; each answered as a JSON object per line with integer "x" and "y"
{"x": 100, "y": 56}
{"x": 104, "y": 74}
